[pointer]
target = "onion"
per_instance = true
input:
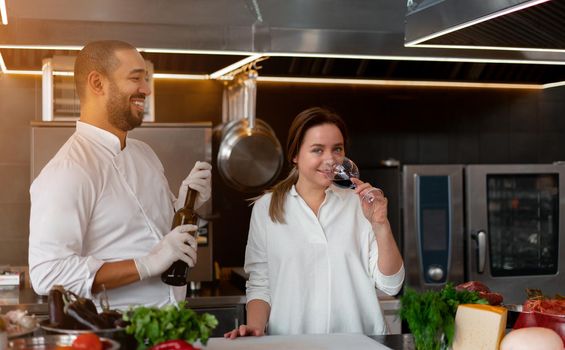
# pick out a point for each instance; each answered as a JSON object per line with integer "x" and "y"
{"x": 532, "y": 338}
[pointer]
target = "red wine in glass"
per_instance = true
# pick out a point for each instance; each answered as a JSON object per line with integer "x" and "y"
{"x": 342, "y": 172}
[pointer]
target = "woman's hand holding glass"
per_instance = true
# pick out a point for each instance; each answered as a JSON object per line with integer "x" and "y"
{"x": 345, "y": 174}
{"x": 373, "y": 202}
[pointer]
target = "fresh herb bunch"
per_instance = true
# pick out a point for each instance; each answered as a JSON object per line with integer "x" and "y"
{"x": 431, "y": 314}
{"x": 152, "y": 326}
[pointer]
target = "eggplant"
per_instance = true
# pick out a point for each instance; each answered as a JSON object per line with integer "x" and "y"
{"x": 56, "y": 305}
{"x": 113, "y": 317}
{"x": 85, "y": 303}
{"x": 86, "y": 317}
{"x": 67, "y": 310}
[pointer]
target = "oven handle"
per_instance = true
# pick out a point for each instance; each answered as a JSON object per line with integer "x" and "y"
{"x": 481, "y": 238}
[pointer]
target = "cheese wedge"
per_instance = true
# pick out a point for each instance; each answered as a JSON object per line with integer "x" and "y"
{"x": 479, "y": 327}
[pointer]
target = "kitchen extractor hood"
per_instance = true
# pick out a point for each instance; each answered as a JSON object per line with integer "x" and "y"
{"x": 318, "y": 39}
{"x": 520, "y": 25}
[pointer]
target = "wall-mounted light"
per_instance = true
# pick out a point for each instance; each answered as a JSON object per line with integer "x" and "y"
{"x": 417, "y": 58}
{"x": 502, "y": 48}
{"x": 255, "y": 55}
{"x": 3, "y": 67}
{"x": 180, "y": 76}
{"x": 3, "y": 12}
{"x": 413, "y": 83}
{"x": 552, "y": 85}
{"x": 220, "y": 73}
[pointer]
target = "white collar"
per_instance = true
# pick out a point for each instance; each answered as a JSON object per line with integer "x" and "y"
{"x": 100, "y": 136}
{"x": 332, "y": 189}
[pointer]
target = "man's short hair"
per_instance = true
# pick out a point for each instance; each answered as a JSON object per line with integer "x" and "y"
{"x": 97, "y": 56}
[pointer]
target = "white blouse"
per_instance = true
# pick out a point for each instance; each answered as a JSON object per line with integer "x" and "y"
{"x": 92, "y": 203}
{"x": 318, "y": 274}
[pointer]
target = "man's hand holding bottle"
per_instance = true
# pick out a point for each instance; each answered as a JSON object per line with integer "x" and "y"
{"x": 170, "y": 249}
{"x": 199, "y": 179}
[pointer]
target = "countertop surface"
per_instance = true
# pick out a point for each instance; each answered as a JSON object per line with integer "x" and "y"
{"x": 298, "y": 342}
{"x": 319, "y": 342}
{"x": 218, "y": 294}
{"x": 215, "y": 294}
{"x": 24, "y": 299}
{"x": 211, "y": 294}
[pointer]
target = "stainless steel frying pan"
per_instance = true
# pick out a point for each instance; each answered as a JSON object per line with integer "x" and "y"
{"x": 250, "y": 156}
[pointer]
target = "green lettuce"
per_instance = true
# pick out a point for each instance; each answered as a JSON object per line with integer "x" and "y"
{"x": 151, "y": 326}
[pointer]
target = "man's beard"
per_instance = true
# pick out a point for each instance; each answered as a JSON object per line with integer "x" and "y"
{"x": 120, "y": 114}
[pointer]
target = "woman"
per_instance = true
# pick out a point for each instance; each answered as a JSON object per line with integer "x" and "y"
{"x": 315, "y": 252}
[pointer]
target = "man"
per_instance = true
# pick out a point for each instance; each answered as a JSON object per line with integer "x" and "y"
{"x": 101, "y": 209}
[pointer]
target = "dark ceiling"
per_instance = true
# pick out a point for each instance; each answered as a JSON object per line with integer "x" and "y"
{"x": 240, "y": 27}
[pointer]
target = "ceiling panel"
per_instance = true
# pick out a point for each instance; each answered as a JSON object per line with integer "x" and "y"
{"x": 541, "y": 26}
{"x": 323, "y": 27}
{"x": 412, "y": 70}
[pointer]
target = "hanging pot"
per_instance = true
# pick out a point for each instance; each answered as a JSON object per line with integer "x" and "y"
{"x": 250, "y": 156}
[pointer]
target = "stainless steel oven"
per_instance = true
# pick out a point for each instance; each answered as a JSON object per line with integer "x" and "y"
{"x": 499, "y": 224}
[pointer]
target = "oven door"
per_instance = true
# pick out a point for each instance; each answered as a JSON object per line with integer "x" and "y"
{"x": 433, "y": 225}
{"x": 514, "y": 237}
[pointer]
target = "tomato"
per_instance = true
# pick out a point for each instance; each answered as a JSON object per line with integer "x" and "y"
{"x": 87, "y": 341}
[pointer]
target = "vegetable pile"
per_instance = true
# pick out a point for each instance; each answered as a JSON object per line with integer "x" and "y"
{"x": 542, "y": 311}
{"x": 538, "y": 302}
{"x": 431, "y": 314}
{"x": 16, "y": 321}
{"x": 493, "y": 298}
{"x": 151, "y": 326}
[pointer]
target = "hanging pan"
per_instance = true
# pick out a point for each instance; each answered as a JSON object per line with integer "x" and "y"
{"x": 250, "y": 156}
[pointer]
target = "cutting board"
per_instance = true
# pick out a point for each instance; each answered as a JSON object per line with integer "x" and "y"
{"x": 297, "y": 342}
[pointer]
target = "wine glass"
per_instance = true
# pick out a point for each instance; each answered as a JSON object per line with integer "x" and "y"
{"x": 341, "y": 171}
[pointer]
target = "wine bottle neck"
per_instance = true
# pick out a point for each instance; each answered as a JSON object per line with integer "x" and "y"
{"x": 190, "y": 198}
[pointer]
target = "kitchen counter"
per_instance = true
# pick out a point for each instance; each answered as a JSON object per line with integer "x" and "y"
{"x": 320, "y": 341}
{"x": 23, "y": 299}
{"x": 216, "y": 294}
{"x": 211, "y": 294}
{"x": 396, "y": 341}
{"x": 298, "y": 342}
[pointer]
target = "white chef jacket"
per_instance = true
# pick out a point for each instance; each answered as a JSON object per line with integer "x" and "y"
{"x": 95, "y": 203}
{"x": 317, "y": 273}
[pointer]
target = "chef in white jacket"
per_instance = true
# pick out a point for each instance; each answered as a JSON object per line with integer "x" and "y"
{"x": 316, "y": 253}
{"x": 101, "y": 209}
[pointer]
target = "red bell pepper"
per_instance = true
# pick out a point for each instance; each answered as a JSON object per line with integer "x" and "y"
{"x": 176, "y": 344}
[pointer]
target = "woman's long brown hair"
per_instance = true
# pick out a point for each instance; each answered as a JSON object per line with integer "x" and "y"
{"x": 300, "y": 125}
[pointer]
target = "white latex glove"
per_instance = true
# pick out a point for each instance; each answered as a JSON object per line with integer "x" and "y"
{"x": 171, "y": 248}
{"x": 199, "y": 179}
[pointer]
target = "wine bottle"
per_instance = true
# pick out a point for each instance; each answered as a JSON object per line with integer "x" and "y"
{"x": 177, "y": 274}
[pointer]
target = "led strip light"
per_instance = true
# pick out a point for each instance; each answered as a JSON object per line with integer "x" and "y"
{"x": 312, "y": 55}
{"x": 3, "y": 12}
{"x": 299, "y": 80}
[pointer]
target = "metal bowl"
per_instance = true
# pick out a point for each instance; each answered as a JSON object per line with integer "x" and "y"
{"x": 514, "y": 311}
{"x": 50, "y": 342}
{"x": 110, "y": 332}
